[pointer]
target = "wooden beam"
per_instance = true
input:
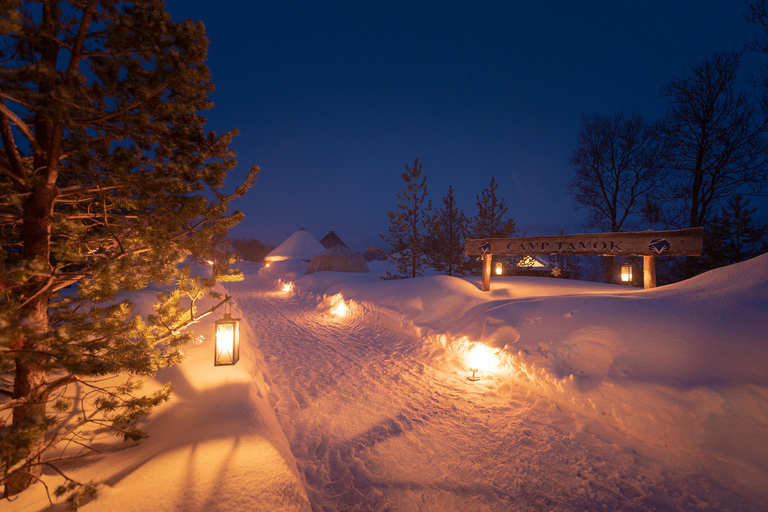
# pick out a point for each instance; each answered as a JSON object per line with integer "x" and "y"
{"x": 681, "y": 242}
{"x": 649, "y": 272}
{"x": 486, "y": 285}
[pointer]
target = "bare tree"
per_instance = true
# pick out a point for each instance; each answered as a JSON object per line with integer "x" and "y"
{"x": 616, "y": 164}
{"x": 714, "y": 141}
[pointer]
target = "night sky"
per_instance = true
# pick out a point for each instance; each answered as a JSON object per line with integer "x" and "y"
{"x": 333, "y": 99}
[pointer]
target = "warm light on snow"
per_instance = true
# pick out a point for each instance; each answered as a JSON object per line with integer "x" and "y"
{"x": 482, "y": 358}
{"x": 340, "y": 309}
{"x": 287, "y": 287}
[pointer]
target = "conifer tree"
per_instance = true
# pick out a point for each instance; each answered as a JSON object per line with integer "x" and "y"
{"x": 491, "y": 210}
{"x": 449, "y": 228}
{"x": 733, "y": 236}
{"x": 490, "y": 221}
{"x": 409, "y": 225}
{"x": 109, "y": 181}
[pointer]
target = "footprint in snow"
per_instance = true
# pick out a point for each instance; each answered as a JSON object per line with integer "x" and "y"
{"x": 569, "y": 315}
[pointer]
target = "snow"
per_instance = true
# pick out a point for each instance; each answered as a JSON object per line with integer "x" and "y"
{"x": 590, "y": 397}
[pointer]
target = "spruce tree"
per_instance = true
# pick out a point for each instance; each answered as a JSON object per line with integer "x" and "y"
{"x": 449, "y": 228}
{"x": 733, "y": 236}
{"x": 490, "y": 221}
{"x": 409, "y": 225}
{"x": 109, "y": 181}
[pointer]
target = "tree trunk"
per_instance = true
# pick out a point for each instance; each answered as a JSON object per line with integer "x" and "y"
{"x": 28, "y": 384}
{"x": 29, "y": 378}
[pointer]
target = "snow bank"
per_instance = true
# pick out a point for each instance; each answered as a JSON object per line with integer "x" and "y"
{"x": 216, "y": 445}
{"x": 681, "y": 368}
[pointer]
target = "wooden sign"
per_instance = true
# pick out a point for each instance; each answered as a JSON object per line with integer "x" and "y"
{"x": 648, "y": 244}
{"x": 682, "y": 242}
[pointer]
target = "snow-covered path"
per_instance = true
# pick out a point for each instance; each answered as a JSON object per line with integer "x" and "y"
{"x": 375, "y": 427}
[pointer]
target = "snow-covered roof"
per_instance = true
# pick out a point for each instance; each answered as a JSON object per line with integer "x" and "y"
{"x": 301, "y": 245}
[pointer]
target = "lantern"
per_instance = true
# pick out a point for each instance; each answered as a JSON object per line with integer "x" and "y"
{"x": 481, "y": 357}
{"x": 227, "y": 349}
{"x": 498, "y": 268}
{"x": 626, "y": 273}
{"x": 340, "y": 309}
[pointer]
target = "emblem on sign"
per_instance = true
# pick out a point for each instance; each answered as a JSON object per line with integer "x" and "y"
{"x": 659, "y": 245}
{"x": 485, "y": 248}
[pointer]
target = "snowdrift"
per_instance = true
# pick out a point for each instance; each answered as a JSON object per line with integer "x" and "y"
{"x": 216, "y": 445}
{"x": 681, "y": 368}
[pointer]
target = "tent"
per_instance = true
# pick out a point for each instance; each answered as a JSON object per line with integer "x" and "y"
{"x": 338, "y": 258}
{"x": 332, "y": 240}
{"x": 299, "y": 246}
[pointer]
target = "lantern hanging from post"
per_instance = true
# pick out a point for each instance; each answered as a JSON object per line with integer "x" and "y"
{"x": 227, "y": 345}
{"x": 626, "y": 273}
{"x": 498, "y": 268}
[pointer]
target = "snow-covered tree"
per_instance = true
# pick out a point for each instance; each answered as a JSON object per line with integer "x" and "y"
{"x": 446, "y": 240}
{"x": 409, "y": 224}
{"x": 108, "y": 182}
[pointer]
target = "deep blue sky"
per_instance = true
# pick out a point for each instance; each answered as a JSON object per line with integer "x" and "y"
{"x": 333, "y": 99}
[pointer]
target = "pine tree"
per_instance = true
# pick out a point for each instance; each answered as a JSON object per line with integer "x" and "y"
{"x": 733, "y": 236}
{"x": 491, "y": 210}
{"x": 108, "y": 182}
{"x": 449, "y": 228}
{"x": 408, "y": 226}
{"x": 490, "y": 221}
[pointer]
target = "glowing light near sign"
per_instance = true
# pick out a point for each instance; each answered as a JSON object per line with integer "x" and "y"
{"x": 340, "y": 309}
{"x": 287, "y": 287}
{"x": 498, "y": 268}
{"x": 626, "y": 273}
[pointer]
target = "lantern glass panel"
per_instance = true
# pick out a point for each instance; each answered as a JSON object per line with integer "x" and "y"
{"x": 626, "y": 273}
{"x": 498, "y": 268}
{"x": 227, "y": 341}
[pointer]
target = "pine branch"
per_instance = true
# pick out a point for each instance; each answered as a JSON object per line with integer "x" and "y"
{"x": 23, "y": 128}
{"x": 111, "y": 115}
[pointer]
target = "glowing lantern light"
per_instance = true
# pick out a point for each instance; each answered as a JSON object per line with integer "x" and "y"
{"x": 481, "y": 357}
{"x": 266, "y": 264}
{"x": 498, "y": 268}
{"x": 287, "y": 287}
{"x": 626, "y": 273}
{"x": 340, "y": 309}
{"x": 210, "y": 262}
{"x": 227, "y": 349}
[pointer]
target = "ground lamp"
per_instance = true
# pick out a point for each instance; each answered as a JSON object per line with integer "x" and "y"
{"x": 340, "y": 309}
{"x": 626, "y": 273}
{"x": 287, "y": 287}
{"x": 480, "y": 357}
{"x": 498, "y": 268}
{"x": 227, "y": 349}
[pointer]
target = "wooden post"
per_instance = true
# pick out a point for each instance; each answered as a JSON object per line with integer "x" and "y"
{"x": 487, "y": 272}
{"x": 649, "y": 272}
